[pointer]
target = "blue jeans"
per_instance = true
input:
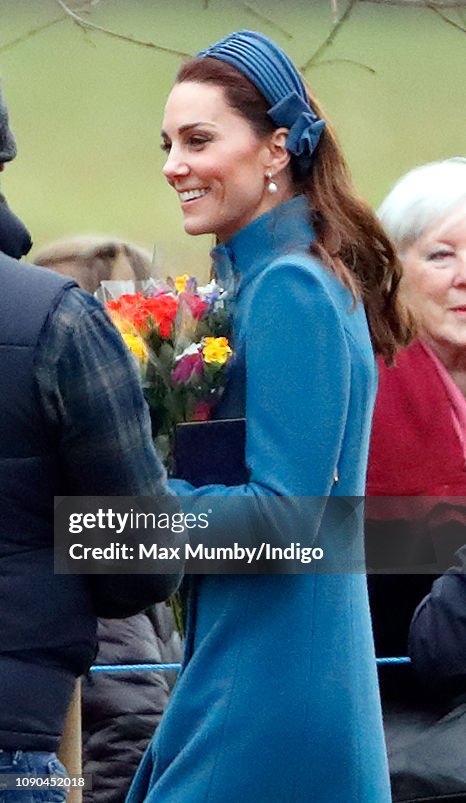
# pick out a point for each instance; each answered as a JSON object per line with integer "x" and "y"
{"x": 21, "y": 763}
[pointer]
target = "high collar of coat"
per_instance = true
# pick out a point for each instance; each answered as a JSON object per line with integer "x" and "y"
{"x": 285, "y": 229}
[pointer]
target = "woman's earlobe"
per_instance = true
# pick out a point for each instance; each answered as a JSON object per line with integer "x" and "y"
{"x": 280, "y": 156}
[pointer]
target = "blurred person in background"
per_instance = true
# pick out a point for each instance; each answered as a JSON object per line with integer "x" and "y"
{"x": 92, "y": 259}
{"x": 429, "y": 763}
{"x": 418, "y": 456}
{"x": 418, "y": 441}
{"x": 120, "y": 711}
{"x": 437, "y": 635}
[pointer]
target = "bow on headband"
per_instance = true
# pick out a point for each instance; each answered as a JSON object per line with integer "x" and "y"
{"x": 274, "y": 74}
{"x": 305, "y": 127}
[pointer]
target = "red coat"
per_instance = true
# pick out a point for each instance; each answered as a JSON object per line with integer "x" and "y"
{"x": 416, "y": 453}
{"x": 415, "y": 447}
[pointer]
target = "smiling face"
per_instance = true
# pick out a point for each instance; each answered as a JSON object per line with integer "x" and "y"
{"x": 434, "y": 283}
{"x": 215, "y": 162}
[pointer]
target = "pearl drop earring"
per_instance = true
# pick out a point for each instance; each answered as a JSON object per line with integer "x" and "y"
{"x": 272, "y": 186}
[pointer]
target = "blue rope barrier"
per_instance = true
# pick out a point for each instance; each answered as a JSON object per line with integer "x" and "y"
{"x": 176, "y": 667}
{"x": 133, "y": 667}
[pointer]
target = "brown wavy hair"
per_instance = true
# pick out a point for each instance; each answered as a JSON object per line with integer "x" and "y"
{"x": 349, "y": 238}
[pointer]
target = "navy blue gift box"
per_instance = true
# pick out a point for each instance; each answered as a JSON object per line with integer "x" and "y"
{"x": 211, "y": 452}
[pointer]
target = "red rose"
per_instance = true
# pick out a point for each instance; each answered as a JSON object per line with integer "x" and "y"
{"x": 195, "y": 304}
{"x": 202, "y": 411}
{"x": 162, "y": 309}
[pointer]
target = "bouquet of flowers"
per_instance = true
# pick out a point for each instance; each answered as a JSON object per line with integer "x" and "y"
{"x": 179, "y": 333}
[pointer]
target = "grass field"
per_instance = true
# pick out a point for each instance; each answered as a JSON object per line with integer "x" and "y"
{"x": 87, "y": 108}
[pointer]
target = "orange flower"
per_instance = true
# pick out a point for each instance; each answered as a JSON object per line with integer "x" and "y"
{"x": 136, "y": 312}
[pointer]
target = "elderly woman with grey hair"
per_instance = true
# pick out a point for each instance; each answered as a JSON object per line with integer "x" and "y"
{"x": 418, "y": 449}
{"x": 418, "y": 443}
{"x": 425, "y": 214}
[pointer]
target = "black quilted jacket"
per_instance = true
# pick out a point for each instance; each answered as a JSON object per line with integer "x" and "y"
{"x": 122, "y": 710}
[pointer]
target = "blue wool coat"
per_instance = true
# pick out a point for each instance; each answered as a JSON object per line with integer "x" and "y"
{"x": 278, "y": 701}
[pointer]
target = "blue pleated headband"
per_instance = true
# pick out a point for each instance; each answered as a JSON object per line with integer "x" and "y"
{"x": 274, "y": 74}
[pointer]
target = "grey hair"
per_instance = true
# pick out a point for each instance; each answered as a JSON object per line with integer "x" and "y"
{"x": 422, "y": 198}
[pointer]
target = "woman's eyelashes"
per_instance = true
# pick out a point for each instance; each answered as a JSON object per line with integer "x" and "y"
{"x": 194, "y": 141}
{"x": 197, "y": 141}
{"x": 439, "y": 255}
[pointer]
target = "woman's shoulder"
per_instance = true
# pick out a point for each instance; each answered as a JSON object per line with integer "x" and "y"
{"x": 305, "y": 272}
{"x": 300, "y": 278}
{"x": 415, "y": 359}
{"x": 293, "y": 285}
{"x": 299, "y": 263}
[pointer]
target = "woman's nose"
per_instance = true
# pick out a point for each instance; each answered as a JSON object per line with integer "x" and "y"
{"x": 460, "y": 276}
{"x": 174, "y": 167}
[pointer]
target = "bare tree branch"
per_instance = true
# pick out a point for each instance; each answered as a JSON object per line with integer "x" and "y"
{"x": 263, "y": 18}
{"x": 29, "y": 34}
{"x": 90, "y": 26}
{"x": 39, "y": 29}
{"x": 446, "y": 19}
{"x": 436, "y": 3}
{"x": 358, "y": 64}
{"x": 331, "y": 36}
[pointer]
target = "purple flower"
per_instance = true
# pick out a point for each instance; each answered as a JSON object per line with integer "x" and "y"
{"x": 210, "y": 293}
{"x": 191, "y": 285}
{"x": 187, "y": 366}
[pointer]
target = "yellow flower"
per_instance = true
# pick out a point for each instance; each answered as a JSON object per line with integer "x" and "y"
{"x": 216, "y": 350}
{"x": 180, "y": 282}
{"x": 137, "y": 345}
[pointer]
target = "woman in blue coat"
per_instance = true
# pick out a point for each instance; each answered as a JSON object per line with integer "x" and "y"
{"x": 277, "y": 701}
